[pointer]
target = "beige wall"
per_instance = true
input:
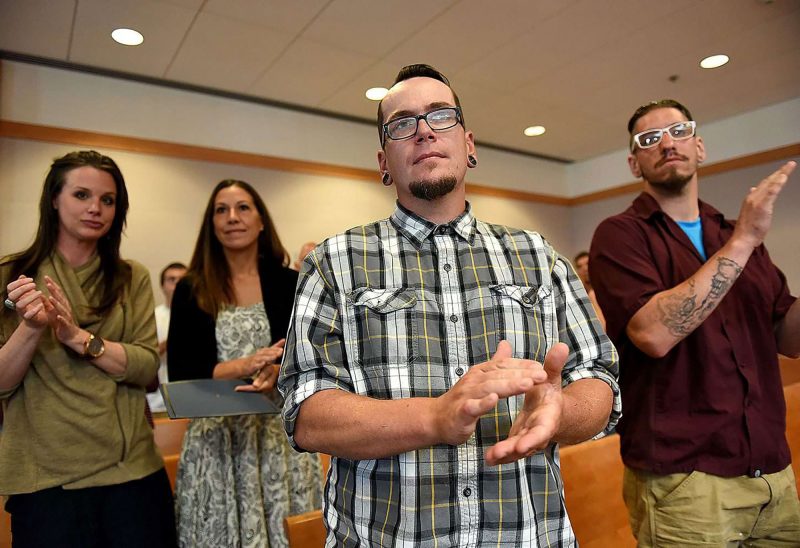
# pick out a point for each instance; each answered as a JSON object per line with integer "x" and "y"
{"x": 63, "y": 98}
{"x": 168, "y": 197}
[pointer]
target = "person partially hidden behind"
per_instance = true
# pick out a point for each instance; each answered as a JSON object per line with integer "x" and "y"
{"x": 305, "y": 249}
{"x": 581, "y": 264}
{"x": 170, "y": 276}
{"x": 424, "y": 355}
{"x": 699, "y": 313}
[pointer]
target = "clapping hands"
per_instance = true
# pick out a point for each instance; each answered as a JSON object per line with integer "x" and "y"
{"x": 29, "y": 302}
{"x": 459, "y": 409}
{"x": 755, "y": 216}
{"x": 263, "y": 367}
{"x": 59, "y": 312}
{"x": 539, "y": 420}
{"x": 39, "y": 310}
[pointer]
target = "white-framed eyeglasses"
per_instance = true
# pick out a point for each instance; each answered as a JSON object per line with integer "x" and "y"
{"x": 438, "y": 119}
{"x": 677, "y": 132}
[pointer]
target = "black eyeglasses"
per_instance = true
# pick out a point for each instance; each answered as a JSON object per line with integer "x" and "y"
{"x": 439, "y": 119}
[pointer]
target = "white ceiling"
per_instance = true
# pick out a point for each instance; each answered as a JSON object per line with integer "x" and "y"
{"x": 578, "y": 67}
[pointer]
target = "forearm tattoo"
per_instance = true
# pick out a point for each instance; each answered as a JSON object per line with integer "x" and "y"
{"x": 682, "y": 314}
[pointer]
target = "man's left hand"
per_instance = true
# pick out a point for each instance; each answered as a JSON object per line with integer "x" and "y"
{"x": 540, "y": 418}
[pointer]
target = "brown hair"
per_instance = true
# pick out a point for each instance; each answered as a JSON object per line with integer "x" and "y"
{"x": 170, "y": 266}
{"x": 115, "y": 272}
{"x": 579, "y": 256}
{"x": 209, "y": 272}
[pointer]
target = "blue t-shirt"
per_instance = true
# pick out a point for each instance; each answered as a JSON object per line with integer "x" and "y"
{"x": 694, "y": 229}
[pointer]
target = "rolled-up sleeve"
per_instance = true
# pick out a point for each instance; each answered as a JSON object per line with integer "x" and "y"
{"x": 139, "y": 339}
{"x": 623, "y": 271}
{"x": 592, "y": 354}
{"x": 315, "y": 356}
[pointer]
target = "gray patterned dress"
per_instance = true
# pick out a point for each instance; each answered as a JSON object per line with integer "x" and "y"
{"x": 238, "y": 477}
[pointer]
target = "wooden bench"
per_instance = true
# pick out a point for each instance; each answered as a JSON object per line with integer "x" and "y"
{"x": 5, "y": 526}
{"x": 790, "y": 370}
{"x": 168, "y": 435}
{"x": 305, "y": 530}
{"x": 592, "y": 473}
{"x": 792, "y": 395}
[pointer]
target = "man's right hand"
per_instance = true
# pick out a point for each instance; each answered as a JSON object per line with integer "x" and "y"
{"x": 755, "y": 216}
{"x": 457, "y": 411}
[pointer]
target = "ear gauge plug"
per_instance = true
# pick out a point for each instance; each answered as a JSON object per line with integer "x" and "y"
{"x": 472, "y": 160}
{"x": 386, "y": 179}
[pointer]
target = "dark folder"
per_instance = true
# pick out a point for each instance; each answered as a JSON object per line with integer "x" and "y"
{"x": 213, "y": 398}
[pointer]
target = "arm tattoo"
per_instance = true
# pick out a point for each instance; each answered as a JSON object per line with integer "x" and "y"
{"x": 682, "y": 314}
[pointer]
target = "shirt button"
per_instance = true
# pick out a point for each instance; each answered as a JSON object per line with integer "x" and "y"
{"x": 442, "y": 229}
{"x": 459, "y": 371}
{"x": 447, "y": 267}
{"x": 526, "y": 300}
{"x": 467, "y": 491}
{"x": 757, "y": 473}
{"x": 453, "y": 318}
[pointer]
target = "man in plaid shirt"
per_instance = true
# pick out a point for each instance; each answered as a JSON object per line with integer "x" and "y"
{"x": 424, "y": 355}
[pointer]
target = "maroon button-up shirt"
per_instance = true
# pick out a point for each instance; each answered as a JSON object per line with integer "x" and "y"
{"x": 715, "y": 402}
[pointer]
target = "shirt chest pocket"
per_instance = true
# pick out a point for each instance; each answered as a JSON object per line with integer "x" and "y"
{"x": 521, "y": 316}
{"x": 382, "y": 323}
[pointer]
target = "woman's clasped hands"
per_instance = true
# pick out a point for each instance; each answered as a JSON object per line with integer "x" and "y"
{"x": 263, "y": 367}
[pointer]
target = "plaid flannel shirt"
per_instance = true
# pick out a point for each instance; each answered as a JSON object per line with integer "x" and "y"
{"x": 403, "y": 308}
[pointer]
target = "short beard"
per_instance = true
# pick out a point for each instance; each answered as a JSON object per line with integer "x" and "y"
{"x": 432, "y": 189}
{"x": 672, "y": 185}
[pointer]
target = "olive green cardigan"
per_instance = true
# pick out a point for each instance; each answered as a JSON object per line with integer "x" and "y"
{"x": 69, "y": 423}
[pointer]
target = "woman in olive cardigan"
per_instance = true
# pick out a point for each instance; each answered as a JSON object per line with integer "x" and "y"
{"x": 77, "y": 347}
{"x": 237, "y": 478}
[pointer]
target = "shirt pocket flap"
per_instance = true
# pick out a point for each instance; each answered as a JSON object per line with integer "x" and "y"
{"x": 526, "y": 296}
{"x": 383, "y": 300}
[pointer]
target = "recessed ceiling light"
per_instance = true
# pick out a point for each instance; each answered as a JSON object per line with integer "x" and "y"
{"x": 376, "y": 94}
{"x": 533, "y": 131}
{"x": 127, "y": 37}
{"x": 714, "y": 61}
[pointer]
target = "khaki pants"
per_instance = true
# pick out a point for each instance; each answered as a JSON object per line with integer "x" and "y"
{"x": 699, "y": 509}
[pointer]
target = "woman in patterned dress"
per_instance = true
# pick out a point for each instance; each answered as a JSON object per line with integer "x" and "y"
{"x": 238, "y": 478}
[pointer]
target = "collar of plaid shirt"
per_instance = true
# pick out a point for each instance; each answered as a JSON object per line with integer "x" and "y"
{"x": 417, "y": 229}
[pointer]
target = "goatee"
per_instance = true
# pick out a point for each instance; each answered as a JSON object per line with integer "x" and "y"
{"x": 672, "y": 185}
{"x": 432, "y": 189}
{"x": 672, "y": 182}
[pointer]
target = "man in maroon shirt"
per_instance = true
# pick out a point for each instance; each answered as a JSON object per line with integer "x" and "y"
{"x": 698, "y": 313}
